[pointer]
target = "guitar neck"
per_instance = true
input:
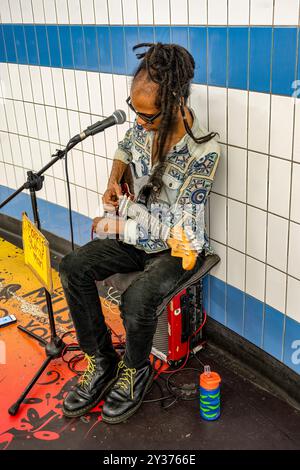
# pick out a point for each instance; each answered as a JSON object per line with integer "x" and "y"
{"x": 144, "y": 218}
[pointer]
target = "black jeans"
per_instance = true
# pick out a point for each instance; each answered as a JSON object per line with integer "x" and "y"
{"x": 160, "y": 274}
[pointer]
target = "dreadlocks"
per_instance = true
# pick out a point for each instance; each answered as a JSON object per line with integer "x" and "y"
{"x": 172, "y": 68}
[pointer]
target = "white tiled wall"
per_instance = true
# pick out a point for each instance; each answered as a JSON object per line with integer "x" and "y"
{"x": 255, "y": 278}
{"x": 198, "y": 12}
{"x": 236, "y": 269}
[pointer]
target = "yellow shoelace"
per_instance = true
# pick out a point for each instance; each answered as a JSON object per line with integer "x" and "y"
{"x": 126, "y": 378}
{"x": 89, "y": 371}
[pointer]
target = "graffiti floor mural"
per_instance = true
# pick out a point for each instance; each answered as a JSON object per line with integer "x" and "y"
{"x": 40, "y": 416}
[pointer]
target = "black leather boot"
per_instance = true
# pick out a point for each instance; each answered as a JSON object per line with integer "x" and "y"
{"x": 99, "y": 375}
{"x": 127, "y": 393}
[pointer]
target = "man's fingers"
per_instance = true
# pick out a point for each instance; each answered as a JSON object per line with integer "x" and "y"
{"x": 111, "y": 195}
{"x": 110, "y": 206}
{"x": 95, "y": 222}
{"x": 107, "y": 226}
{"x": 118, "y": 189}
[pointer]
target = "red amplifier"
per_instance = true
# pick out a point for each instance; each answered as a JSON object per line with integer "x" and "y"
{"x": 179, "y": 320}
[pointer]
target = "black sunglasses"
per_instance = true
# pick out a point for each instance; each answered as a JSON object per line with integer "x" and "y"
{"x": 146, "y": 117}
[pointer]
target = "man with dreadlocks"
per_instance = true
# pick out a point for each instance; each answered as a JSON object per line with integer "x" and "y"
{"x": 167, "y": 147}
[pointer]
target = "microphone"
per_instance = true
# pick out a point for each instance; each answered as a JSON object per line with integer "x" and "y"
{"x": 118, "y": 117}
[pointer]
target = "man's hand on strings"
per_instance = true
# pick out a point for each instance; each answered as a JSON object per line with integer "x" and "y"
{"x": 110, "y": 199}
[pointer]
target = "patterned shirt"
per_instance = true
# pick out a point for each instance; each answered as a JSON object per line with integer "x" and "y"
{"x": 187, "y": 181}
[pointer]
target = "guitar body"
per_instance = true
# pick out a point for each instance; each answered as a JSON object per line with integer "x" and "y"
{"x": 180, "y": 246}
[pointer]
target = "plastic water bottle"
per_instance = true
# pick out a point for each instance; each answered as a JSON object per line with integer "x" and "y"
{"x": 210, "y": 400}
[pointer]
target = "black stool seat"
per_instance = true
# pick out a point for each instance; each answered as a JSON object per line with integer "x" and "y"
{"x": 121, "y": 281}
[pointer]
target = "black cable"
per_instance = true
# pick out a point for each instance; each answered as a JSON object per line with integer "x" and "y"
{"x": 69, "y": 193}
{"x": 194, "y": 355}
{"x": 162, "y": 398}
{"x": 176, "y": 391}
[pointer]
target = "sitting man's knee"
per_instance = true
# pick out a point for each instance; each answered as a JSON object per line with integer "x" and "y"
{"x": 137, "y": 309}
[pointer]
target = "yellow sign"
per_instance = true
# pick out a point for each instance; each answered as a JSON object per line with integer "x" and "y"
{"x": 36, "y": 252}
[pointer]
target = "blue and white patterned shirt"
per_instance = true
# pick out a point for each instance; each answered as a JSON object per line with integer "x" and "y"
{"x": 187, "y": 180}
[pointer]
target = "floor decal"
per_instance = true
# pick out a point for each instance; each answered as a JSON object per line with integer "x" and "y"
{"x": 40, "y": 416}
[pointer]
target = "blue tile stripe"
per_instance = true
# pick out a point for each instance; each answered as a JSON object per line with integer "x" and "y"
{"x": 262, "y": 59}
{"x": 223, "y": 302}
{"x": 273, "y": 332}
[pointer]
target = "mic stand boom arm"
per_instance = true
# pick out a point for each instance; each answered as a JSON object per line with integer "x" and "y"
{"x": 35, "y": 180}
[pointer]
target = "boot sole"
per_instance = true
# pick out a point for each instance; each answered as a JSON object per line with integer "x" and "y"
{"x": 83, "y": 411}
{"x": 123, "y": 417}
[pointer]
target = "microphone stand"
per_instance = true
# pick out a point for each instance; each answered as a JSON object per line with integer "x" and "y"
{"x": 56, "y": 345}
